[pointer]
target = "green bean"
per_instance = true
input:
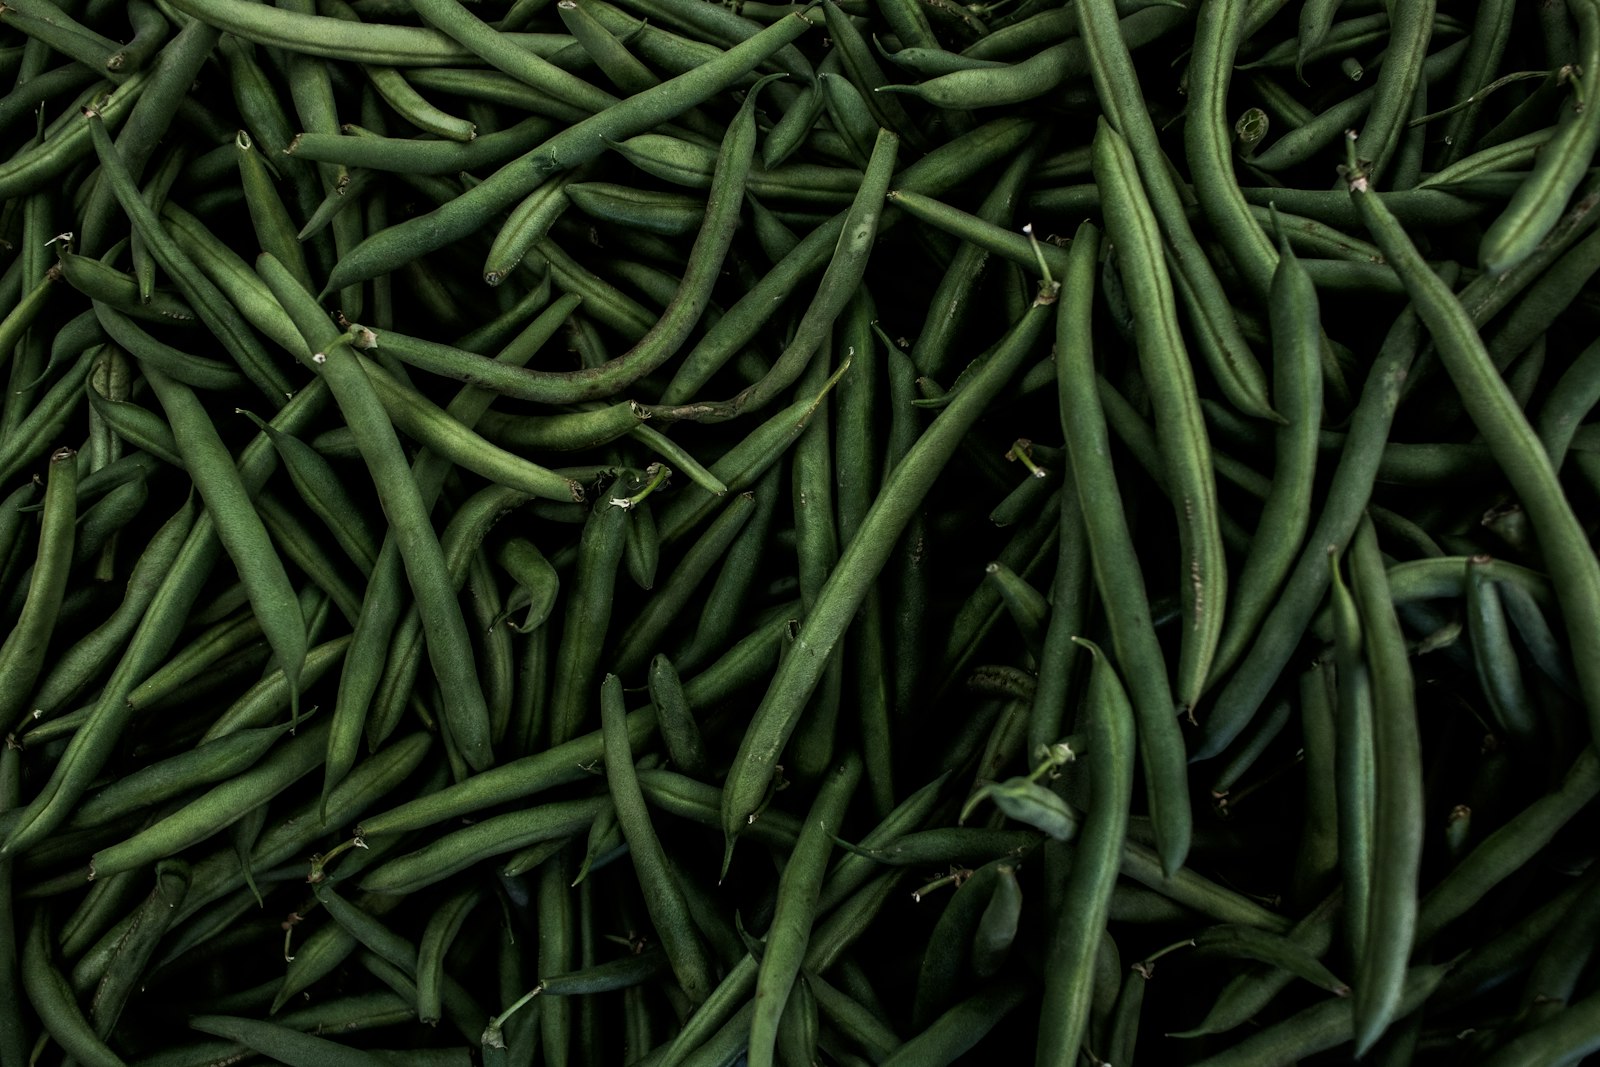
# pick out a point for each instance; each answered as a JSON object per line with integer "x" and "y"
{"x": 1323, "y": 1026}
{"x": 722, "y": 28}
{"x": 1094, "y": 859}
{"x": 52, "y": 999}
{"x": 210, "y": 305}
{"x": 946, "y": 961}
{"x": 1041, "y": 72}
{"x": 1540, "y": 199}
{"x": 440, "y": 931}
{"x": 1499, "y": 673}
{"x": 491, "y": 837}
{"x": 1566, "y": 1037}
{"x": 63, "y": 33}
{"x": 672, "y": 329}
{"x": 849, "y": 114}
{"x": 1397, "y": 800}
{"x": 127, "y": 967}
{"x": 668, "y": 214}
{"x": 799, "y": 887}
{"x": 1303, "y": 589}
{"x": 680, "y": 795}
{"x": 556, "y": 766}
{"x": 1206, "y": 140}
{"x": 138, "y": 426}
{"x": 856, "y": 1022}
{"x": 931, "y": 175}
{"x": 1184, "y": 446}
{"x": 1545, "y": 299}
{"x": 532, "y": 572}
{"x": 619, "y": 65}
{"x": 302, "y": 547}
{"x": 27, "y": 310}
{"x": 606, "y": 977}
{"x": 268, "y": 214}
{"x": 555, "y": 957}
{"x": 1245, "y": 942}
{"x": 207, "y": 460}
{"x": 76, "y": 668}
{"x": 1117, "y": 87}
{"x": 32, "y": 437}
{"x": 283, "y": 1044}
{"x": 1527, "y": 617}
{"x": 1516, "y": 448}
{"x": 1117, "y": 574}
{"x": 319, "y": 486}
{"x": 1508, "y": 848}
{"x": 22, "y": 653}
{"x": 588, "y": 614}
{"x": 194, "y": 371}
{"x": 679, "y": 731}
{"x": 213, "y": 761}
{"x": 859, "y": 565}
{"x": 449, "y": 649}
{"x": 218, "y": 808}
{"x": 744, "y": 464}
{"x": 23, "y": 98}
{"x": 1316, "y": 16}
{"x": 459, "y": 542}
{"x": 451, "y": 438}
{"x": 1491, "y": 30}
{"x": 397, "y": 91}
{"x": 333, "y": 38}
{"x": 1246, "y": 995}
{"x": 1188, "y": 888}
{"x": 839, "y": 281}
{"x": 988, "y": 237}
{"x": 1297, "y": 391}
{"x": 605, "y": 837}
{"x": 948, "y": 1038}
{"x": 36, "y": 167}
{"x": 1557, "y": 965}
{"x": 663, "y": 899}
{"x": 105, "y": 283}
{"x": 653, "y": 620}
{"x": 1411, "y": 25}
{"x": 816, "y": 551}
{"x": 1353, "y": 764}
{"x": 997, "y": 929}
{"x": 571, "y": 147}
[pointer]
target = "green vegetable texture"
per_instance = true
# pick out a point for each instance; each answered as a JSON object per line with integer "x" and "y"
{"x": 640, "y": 533}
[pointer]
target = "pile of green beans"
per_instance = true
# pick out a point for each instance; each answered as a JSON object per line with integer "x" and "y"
{"x": 869, "y": 532}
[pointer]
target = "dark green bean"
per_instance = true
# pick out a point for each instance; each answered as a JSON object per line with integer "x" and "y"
{"x": 569, "y": 148}
{"x": 22, "y": 655}
{"x": 859, "y": 565}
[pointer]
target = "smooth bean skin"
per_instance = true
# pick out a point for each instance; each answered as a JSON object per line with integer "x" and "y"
{"x": 1559, "y": 167}
{"x": 690, "y": 962}
{"x": 1117, "y": 572}
{"x": 571, "y": 147}
{"x": 285, "y": 1045}
{"x": 798, "y": 889}
{"x": 1397, "y": 826}
{"x": 1117, "y": 87}
{"x": 1185, "y": 446}
{"x": 859, "y": 564}
{"x": 449, "y": 648}
{"x": 207, "y": 459}
{"x": 22, "y": 653}
{"x": 1096, "y": 855}
{"x": 1516, "y": 448}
